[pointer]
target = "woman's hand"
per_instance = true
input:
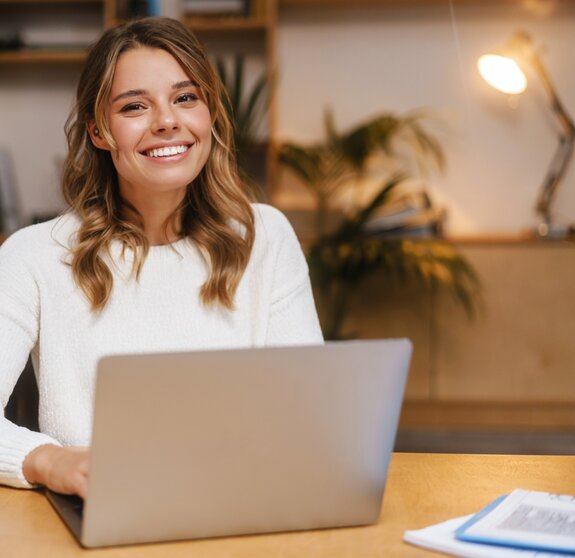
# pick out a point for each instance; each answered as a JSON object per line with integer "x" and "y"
{"x": 61, "y": 469}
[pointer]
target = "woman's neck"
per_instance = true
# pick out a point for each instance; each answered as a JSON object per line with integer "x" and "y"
{"x": 158, "y": 233}
{"x": 158, "y": 216}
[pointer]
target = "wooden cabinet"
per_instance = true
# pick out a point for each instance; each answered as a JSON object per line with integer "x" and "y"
{"x": 520, "y": 347}
{"x": 510, "y": 366}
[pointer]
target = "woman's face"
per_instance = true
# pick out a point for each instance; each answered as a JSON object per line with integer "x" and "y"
{"x": 161, "y": 125}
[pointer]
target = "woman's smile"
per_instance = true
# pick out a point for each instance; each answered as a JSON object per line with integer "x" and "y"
{"x": 167, "y": 152}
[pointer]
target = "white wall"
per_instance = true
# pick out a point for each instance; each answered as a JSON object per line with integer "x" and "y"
{"x": 361, "y": 62}
{"x": 34, "y": 104}
{"x": 364, "y": 61}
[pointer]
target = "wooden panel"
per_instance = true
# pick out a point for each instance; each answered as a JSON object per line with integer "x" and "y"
{"x": 510, "y": 367}
{"x": 521, "y": 347}
{"x": 380, "y": 310}
{"x": 42, "y": 56}
{"x": 196, "y": 23}
{"x": 488, "y": 416}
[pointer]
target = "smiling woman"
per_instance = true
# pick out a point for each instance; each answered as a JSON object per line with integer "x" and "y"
{"x": 161, "y": 129}
{"x": 160, "y": 250}
{"x": 146, "y": 85}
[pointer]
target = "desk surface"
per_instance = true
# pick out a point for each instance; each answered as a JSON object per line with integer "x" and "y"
{"x": 422, "y": 489}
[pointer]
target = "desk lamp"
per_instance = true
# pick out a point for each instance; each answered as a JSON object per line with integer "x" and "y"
{"x": 503, "y": 71}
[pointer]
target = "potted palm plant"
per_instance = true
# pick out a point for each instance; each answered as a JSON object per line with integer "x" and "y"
{"x": 368, "y": 236}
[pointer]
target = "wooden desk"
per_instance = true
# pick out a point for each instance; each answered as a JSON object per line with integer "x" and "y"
{"x": 422, "y": 489}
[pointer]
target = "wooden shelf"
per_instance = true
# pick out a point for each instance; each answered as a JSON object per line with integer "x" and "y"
{"x": 477, "y": 415}
{"x": 226, "y": 24}
{"x": 366, "y": 3}
{"x": 42, "y": 56}
{"x": 521, "y": 238}
{"x": 48, "y": 2}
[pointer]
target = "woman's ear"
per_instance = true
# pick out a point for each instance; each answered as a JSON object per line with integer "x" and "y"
{"x": 97, "y": 140}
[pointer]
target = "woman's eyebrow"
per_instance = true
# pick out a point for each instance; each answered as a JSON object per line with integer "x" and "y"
{"x": 129, "y": 93}
{"x": 184, "y": 84}
{"x": 140, "y": 92}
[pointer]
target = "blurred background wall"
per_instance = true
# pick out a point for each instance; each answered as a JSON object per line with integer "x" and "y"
{"x": 360, "y": 62}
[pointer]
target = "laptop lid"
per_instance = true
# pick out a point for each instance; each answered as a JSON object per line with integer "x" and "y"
{"x": 215, "y": 443}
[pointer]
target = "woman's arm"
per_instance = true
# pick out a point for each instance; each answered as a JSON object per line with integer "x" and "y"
{"x": 19, "y": 326}
{"x": 293, "y": 316}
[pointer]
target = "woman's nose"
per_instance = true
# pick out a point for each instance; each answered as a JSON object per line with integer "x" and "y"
{"x": 166, "y": 120}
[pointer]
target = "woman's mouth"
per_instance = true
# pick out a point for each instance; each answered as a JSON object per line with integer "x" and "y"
{"x": 168, "y": 151}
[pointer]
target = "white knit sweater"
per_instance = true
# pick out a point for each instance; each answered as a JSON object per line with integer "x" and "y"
{"x": 42, "y": 311}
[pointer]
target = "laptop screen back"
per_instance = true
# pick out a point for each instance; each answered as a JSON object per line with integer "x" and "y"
{"x": 242, "y": 441}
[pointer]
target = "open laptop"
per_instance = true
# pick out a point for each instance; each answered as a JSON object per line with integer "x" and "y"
{"x": 233, "y": 442}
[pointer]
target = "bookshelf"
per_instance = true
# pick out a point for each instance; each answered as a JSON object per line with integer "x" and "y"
{"x": 229, "y": 34}
{"x": 106, "y": 13}
{"x": 31, "y": 21}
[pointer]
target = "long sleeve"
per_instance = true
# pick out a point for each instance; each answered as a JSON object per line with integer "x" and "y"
{"x": 293, "y": 317}
{"x": 19, "y": 319}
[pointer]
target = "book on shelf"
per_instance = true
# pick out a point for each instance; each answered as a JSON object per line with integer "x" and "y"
{"x": 10, "y": 39}
{"x": 58, "y": 35}
{"x": 217, "y": 7}
{"x": 127, "y": 9}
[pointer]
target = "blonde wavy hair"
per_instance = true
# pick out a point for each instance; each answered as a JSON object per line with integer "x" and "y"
{"x": 215, "y": 213}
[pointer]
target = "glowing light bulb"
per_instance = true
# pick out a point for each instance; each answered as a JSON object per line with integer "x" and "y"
{"x": 503, "y": 73}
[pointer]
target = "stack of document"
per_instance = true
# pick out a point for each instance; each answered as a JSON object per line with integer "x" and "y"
{"x": 411, "y": 214}
{"x": 525, "y": 524}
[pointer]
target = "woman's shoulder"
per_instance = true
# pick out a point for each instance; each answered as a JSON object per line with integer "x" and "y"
{"x": 271, "y": 219}
{"x": 37, "y": 238}
{"x": 276, "y": 238}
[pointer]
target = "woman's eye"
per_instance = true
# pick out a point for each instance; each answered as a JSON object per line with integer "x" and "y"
{"x": 187, "y": 98}
{"x": 132, "y": 107}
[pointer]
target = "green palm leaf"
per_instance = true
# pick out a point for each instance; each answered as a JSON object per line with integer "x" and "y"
{"x": 340, "y": 259}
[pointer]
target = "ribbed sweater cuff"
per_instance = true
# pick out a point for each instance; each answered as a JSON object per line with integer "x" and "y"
{"x": 14, "y": 453}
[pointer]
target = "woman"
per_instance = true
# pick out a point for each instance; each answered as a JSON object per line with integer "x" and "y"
{"x": 159, "y": 251}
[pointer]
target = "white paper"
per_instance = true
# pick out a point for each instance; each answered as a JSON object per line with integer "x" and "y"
{"x": 531, "y": 518}
{"x": 440, "y": 537}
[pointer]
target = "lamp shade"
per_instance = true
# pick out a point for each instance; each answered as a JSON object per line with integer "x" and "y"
{"x": 503, "y": 73}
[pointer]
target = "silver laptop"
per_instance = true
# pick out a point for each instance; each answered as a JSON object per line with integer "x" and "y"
{"x": 214, "y": 443}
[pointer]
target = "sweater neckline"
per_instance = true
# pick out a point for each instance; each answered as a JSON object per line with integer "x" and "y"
{"x": 162, "y": 252}
{"x": 181, "y": 242}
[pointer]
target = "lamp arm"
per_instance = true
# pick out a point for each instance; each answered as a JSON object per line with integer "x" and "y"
{"x": 558, "y": 167}
{"x": 564, "y": 151}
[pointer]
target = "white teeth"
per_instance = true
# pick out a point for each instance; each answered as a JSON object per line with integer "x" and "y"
{"x": 167, "y": 151}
